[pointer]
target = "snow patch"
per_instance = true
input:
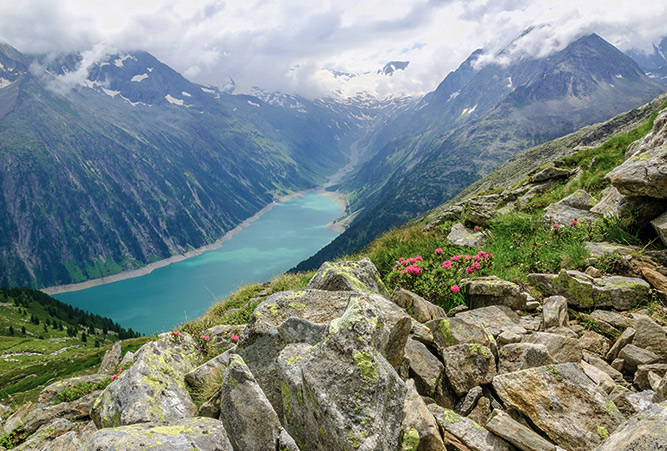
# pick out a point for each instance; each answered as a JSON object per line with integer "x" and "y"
{"x": 612, "y": 85}
{"x": 173, "y": 100}
{"x": 118, "y": 62}
{"x": 110, "y": 93}
{"x": 208, "y": 91}
{"x": 138, "y": 78}
{"x": 509, "y": 83}
{"x": 149, "y": 69}
{"x": 253, "y": 103}
{"x": 454, "y": 95}
{"x": 186, "y": 94}
{"x": 469, "y": 110}
{"x": 619, "y": 76}
{"x": 4, "y": 82}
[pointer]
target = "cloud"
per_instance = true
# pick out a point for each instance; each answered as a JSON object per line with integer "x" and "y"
{"x": 291, "y": 45}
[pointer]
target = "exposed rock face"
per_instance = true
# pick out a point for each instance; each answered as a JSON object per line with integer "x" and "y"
{"x": 153, "y": 388}
{"x": 460, "y": 236}
{"x": 75, "y": 410}
{"x": 111, "y": 359}
{"x": 516, "y": 433}
{"x": 49, "y": 394}
{"x": 562, "y": 401}
{"x": 468, "y": 365}
{"x": 200, "y": 433}
{"x": 521, "y": 356}
{"x": 550, "y": 173}
{"x": 564, "y": 215}
{"x": 660, "y": 226}
{"x": 481, "y": 210}
{"x": 580, "y": 199}
{"x": 646, "y": 431}
{"x": 361, "y": 276}
{"x": 486, "y": 291}
{"x": 467, "y": 432}
{"x": 416, "y": 306}
{"x": 58, "y": 435}
{"x": 621, "y": 293}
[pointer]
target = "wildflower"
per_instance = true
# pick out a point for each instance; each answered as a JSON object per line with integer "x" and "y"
{"x": 438, "y": 251}
{"x": 467, "y": 257}
{"x": 476, "y": 229}
{"x": 476, "y": 258}
{"x": 120, "y": 370}
{"x": 454, "y": 258}
{"x": 413, "y": 269}
{"x": 551, "y": 218}
{"x": 235, "y": 338}
{"x": 176, "y": 333}
{"x": 114, "y": 377}
{"x": 574, "y": 222}
{"x": 475, "y": 265}
{"x": 455, "y": 288}
{"x": 206, "y": 338}
{"x": 555, "y": 226}
{"x": 470, "y": 270}
{"x": 447, "y": 264}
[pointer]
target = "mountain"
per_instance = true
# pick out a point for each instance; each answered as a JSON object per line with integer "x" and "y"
{"x": 393, "y": 66}
{"x": 653, "y": 63}
{"x": 478, "y": 118}
{"x": 126, "y": 162}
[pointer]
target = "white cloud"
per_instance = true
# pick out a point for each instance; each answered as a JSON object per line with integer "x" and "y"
{"x": 285, "y": 44}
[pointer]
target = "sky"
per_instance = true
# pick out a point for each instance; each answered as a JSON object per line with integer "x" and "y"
{"x": 295, "y": 46}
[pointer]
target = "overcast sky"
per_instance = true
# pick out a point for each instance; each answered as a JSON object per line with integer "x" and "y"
{"x": 291, "y": 45}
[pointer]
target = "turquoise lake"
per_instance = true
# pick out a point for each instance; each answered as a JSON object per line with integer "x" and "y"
{"x": 282, "y": 237}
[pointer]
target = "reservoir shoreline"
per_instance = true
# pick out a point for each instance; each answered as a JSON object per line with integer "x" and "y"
{"x": 334, "y": 226}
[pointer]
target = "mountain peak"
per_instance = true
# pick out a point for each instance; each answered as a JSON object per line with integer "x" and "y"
{"x": 393, "y": 66}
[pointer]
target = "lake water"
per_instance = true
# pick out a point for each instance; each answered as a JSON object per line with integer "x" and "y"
{"x": 289, "y": 233}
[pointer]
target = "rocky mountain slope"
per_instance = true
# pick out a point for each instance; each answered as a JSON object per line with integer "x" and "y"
{"x": 478, "y": 118}
{"x": 531, "y": 318}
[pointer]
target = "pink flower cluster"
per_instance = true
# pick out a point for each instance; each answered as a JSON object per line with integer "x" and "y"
{"x": 176, "y": 333}
{"x": 481, "y": 255}
{"x": 409, "y": 265}
{"x": 206, "y": 338}
{"x": 413, "y": 269}
{"x": 411, "y": 261}
{"x": 235, "y": 338}
{"x": 115, "y": 376}
{"x": 455, "y": 288}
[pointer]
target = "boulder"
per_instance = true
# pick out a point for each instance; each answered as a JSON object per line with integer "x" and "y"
{"x": 655, "y": 138}
{"x": 495, "y": 319}
{"x": 465, "y": 431}
{"x": 416, "y": 306}
{"x": 341, "y": 393}
{"x": 50, "y": 394}
{"x": 220, "y": 336}
{"x": 580, "y": 199}
{"x": 419, "y": 431}
{"x": 602, "y": 379}
{"x": 642, "y": 175}
{"x": 152, "y": 389}
{"x": 361, "y": 277}
{"x": 17, "y": 419}
{"x": 554, "y": 312}
{"x": 481, "y": 210}
{"x": 595, "y": 343}
{"x": 661, "y": 391}
{"x": 646, "y": 431}
{"x": 550, "y": 173}
{"x": 111, "y": 359}
{"x": 516, "y": 433}
{"x": 602, "y": 248}
{"x": 461, "y": 236}
{"x": 58, "y": 435}
{"x": 641, "y": 374}
{"x": 453, "y": 331}
{"x": 633, "y": 356}
{"x": 451, "y": 213}
{"x": 206, "y": 434}
{"x": 660, "y": 226}
{"x": 563, "y": 215}
{"x": 468, "y": 365}
{"x": 521, "y": 356}
{"x": 562, "y": 402}
{"x": 649, "y": 335}
{"x": 424, "y": 367}
{"x": 208, "y": 371}
{"x": 602, "y": 365}
{"x": 247, "y": 414}
{"x": 487, "y": 291}
{"x": 468, "y": 402}
{"x": 621, "y": 293}
{"x": 562, "y": 349}
{"x": 78, "y": 409}
{"x": 624, "y": 339}
{"x": 614, "y": 319}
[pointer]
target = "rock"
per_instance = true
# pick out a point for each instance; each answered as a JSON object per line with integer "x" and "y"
{"x": 211, "y": 408}
{"x": 661, "y": 391}
{"x": 76, "y": 410}
{"x": 624, "y": 339}
{"x": 480, "y": 414}
{"x": 646, "y": 431}
{"x": 649, "y": 335}
{"x": 654, "y": 380}
{"x": 615, "y": 319}
{"x": 550, "y": 173}
{"x": 617, "y": 364}
{"x": 18, "y": 418}
{"x": 563, "y": 215}
{"x": 419, "y": 431}
{"x": 467, "y": 404}
{"x": 641, "y": 400}
{"x": 642, "y": 175}
{"x": 641, "y": 375}
{"x": 602, "y": 365}
{"x": 516, "y": 433}
{"x": 453, "y": 331}
{"x": 562, "y": 402}
{"x": 594, "y": 342}
{"x": 49, "y": 394}
{"x": 153, "y": 388}
{"x": 111, "y": 359}
{"x": 602, "y": 326}
{"x": 468, "y": 365}
{"x": 452, "y": 213}
{"x": 554, "y": 312}
{"x": 602, "y": 248}
{"x": 655, "y": 138}
{"x": 655, "y": 278}
{"x": 580, "y": 199}
{"x": 521, "y": 356}
{"x": 562, "y": 349}
{"x": 658, "y": 256}
{"x": 416, "y": 306}
{"x": 246, "y": 413}
{"x": 469, "y": 433}
{"x": 610, "y": 202}
{"x": 127, "y": 359}
{"x": 633, "y": 356}
{"x": 495, "y": 319}
{"x": 508, "y": 337}
{"x": 186, "y": 433}
{"x": 621, "y": 293}
{"x": 593, "y": 272}
{"x": 602, "y": 379}
{"x": 54, "y": 436}
{"x": 487, "y": 291}
{"x": 461, "y": 236}
{"x": 341, "y": 393}
{"x": 220, "y": 336}
{"x": 208, "y": 372}
{"x": 425, "y": 368}
{"x": 542, "y": 281}
{"x": 481, "y": 210}
{"x": 361, "y": 277}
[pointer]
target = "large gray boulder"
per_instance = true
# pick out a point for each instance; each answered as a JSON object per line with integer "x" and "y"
{"x": 517, "y": 434}
{"x": 453, "y": 331}
{"x": 111, "y": 359}
{"x": 563, "y": 215}
{"x": 580, "y": 199}
{"x": 649, "y": 335}
{"x": 424, "y": 367}
{"x": 466, "y": 432}
{"x": 200, "y": 433}
{"x": 78, "y": 409}
{"x": 461, "y": 236}
{"x": 153, "y": 389}
{"x": 416, "y": 306}
{"x": 644, "y": 174}
{"x": 646, "y": 431}
{"x": 361, "y": 276}
{"x": 582, "y": 290}
{"x": 468, "y": 365}
{"x": 208, "y": 371}
{"x": 550, "y": 173}
{"x": 49, "y": 395}
{"x": 562, "y": 349}
{"x": 419, "y": 431}
{"x": 487, "y": 291}
{"x": 481, "y": 210}
{"x": 246, "y": 413}
{"x": 554, "y": 312}
{"x": 562, "y": 402}
{"x": 520, "y": 356}
{"x": 58, "y": 435}
{"x": 494, "y": 319}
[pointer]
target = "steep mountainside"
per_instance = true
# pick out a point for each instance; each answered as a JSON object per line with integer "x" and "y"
{"x": 653, "y": 63}
{"x": 528, "y": 102}
{"x": 129, "y": 162}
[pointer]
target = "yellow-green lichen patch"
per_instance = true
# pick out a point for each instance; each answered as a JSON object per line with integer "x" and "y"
{"x": 410, "y": 440}
{"x": 477, "y": 349}
{"x": 450, "y": 416}
{"x": 353, "y": 315}
{"x": 602, "y": 432}
{"x": 273, "y": 309}
{"x": 170, "y": 430}
{"x": 297, "y": 305}
{"x": 323, "y": 435}
{"x": 446, "y": 332}
{"x": 610, "y": 407}
{"x": 287, "y": 401}
{"x": 294, "y": 359}
{"x": 366, "y": 366}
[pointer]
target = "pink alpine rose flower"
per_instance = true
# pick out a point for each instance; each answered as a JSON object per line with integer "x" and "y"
{"x": 455, "y": 288}
{"x": 438, "y": 251}
{"x": 235, "y": 338}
